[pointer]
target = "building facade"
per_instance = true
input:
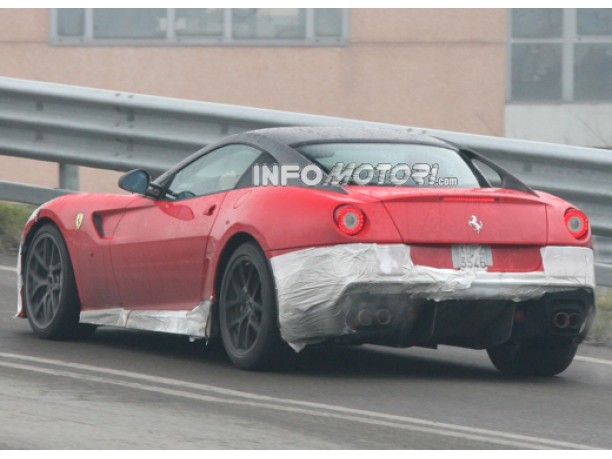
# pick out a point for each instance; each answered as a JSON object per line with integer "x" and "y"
{"x": 536, "y": 74}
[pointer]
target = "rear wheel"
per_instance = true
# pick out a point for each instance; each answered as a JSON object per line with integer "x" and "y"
{"x": 541, "y": 359}
{"x": 51, "y": 300}
{"x": 247, "y": 307}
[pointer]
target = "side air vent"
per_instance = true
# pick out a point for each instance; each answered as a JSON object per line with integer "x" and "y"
{"x": 97, "y": 220}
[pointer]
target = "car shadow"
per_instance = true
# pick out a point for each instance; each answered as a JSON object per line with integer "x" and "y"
{"x": 374, "y": 362}
{"x": 162, "y": 344}
{"x": 318, "y": 361}
{"x": 329, "y": 361}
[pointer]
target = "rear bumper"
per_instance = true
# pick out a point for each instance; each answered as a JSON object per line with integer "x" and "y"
{"x": 318, "y": 287}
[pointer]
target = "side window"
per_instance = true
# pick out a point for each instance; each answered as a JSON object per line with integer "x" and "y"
{"x": 263, "y": 160}
{"x": 220, "y": 170}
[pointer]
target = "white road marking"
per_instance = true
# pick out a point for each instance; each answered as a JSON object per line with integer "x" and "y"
{"x": 435, "y": 427}
{"x": 593, "y": 360}
{"x": 285, "y": 405}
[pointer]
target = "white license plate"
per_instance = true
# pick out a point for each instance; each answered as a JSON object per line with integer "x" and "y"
{"x": 472, "y": 256}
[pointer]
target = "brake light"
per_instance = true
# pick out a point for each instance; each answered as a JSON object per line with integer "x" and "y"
{"x": 576, "y": 222}
{"x": 467, "y": 199}
{"x": 349, "y": 219}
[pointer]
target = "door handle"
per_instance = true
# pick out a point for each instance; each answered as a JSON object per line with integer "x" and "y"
{"x": 210, "y": 210}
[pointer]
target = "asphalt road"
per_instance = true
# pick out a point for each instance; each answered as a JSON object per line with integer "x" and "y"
{"x": 125, "y": 389}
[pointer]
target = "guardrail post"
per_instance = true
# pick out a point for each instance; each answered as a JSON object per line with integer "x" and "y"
{"x": 68, "y": 177}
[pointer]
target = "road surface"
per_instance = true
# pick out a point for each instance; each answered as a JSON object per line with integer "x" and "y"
{"x": 127, "y": 389}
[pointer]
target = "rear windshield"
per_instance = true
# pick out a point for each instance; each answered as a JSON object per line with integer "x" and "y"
{"x": 391, "y": 164}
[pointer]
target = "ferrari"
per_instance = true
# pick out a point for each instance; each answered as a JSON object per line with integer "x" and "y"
{"x": 278, "y": 239}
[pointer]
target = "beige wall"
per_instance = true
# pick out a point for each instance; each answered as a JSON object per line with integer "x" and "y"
{"x": 439, "y": 68}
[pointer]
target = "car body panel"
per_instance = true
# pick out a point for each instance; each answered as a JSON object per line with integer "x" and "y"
{"x": 443, "y": 216}
{"x": 158, "y": 252}
{"x": 89, "y": 253}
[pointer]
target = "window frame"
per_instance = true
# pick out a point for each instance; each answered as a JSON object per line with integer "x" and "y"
{"x": 166, "y": 183}
{"x": 568, "y": 40}
{"x": 172, "y": 39}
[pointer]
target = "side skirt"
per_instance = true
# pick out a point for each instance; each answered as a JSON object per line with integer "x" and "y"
{"x": 191, "y": 323}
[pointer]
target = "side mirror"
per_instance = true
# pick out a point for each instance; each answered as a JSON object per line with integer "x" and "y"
{"x": 136, "y": 181}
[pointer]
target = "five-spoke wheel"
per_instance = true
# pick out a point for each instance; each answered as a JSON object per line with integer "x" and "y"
{"x": 51, "y": 300}
{"x": 247, "y": 307}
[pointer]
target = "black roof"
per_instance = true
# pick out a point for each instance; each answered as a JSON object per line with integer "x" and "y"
{"x": 303, "y": 135}
{"x": 279, "y": 142}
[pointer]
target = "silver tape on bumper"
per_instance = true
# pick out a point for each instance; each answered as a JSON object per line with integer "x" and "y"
{"x": 310, "y": 282}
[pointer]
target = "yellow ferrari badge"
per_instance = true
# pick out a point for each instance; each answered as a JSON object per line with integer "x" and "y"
{"x": 78, "y": 221}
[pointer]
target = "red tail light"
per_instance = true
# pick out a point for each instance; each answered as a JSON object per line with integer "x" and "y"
{"x": 467, "y": 199}
{"x": 576, "y": 223}
{"x": 349, "y": 219}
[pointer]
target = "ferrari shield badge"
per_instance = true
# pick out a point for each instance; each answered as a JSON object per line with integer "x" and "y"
{"x": 78, "y": 221}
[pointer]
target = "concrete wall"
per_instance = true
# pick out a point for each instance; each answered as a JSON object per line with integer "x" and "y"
{"x": 435, "y": 68}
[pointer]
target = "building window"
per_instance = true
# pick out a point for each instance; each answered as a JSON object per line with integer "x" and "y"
{"x": 200, "y": 26}
{"x": 71, "y": 22}
{"x": 560, "y": 55}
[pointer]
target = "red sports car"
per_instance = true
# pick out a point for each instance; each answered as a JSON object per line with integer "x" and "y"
{"x": 288, "y": 237}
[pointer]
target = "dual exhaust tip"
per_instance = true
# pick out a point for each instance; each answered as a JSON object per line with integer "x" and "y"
{"x": 369, "y": 318}
{"x": 566, "y": 321}
{"x": 561, "y": 320}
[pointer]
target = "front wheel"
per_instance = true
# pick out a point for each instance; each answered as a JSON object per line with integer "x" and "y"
{"x": 541, "y": 359}
{"x": 247, "y": 307}
{"x": 51, "y": 299}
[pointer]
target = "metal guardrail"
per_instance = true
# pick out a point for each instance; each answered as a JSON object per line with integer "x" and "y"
{"x": 29, "y": 194}
{"x": 77, "y": 126}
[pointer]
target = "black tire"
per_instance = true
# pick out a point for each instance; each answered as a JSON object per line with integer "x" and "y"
{"x": 50, "y": 295}
{"x": 248, "y": 314}
{"x": 541, "y": 359}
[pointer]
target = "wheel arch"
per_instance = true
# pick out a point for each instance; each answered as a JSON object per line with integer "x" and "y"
{"x": 229, "y": 248}
{"x": 30, "y": 233}
{"x": 34, "y": 229}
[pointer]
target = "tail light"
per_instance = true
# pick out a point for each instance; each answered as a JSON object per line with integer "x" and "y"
{"x": 349, "y": 219}
{"x": 467, "y": 199}
{"x": 576, "y": 222}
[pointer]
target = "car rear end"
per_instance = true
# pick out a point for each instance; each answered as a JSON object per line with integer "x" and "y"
{"x": 472, "y": 265}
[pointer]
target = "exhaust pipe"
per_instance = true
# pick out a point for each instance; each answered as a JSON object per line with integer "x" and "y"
{"x": 365, "y": 318}
{"x": 575, "y": 320}
{"x": 561, "y": 320}
{"x": 384, "y": 317}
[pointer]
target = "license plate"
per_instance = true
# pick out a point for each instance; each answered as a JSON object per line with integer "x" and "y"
{"x": 472, "y": 257}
